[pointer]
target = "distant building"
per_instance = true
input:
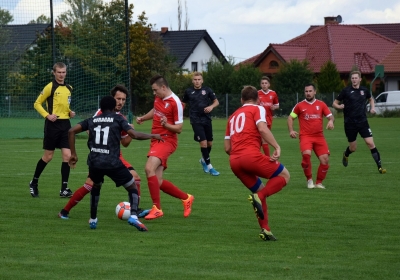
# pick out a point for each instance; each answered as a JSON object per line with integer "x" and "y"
{"x": 345, "y": 45}
{"x": 193, "y": 49}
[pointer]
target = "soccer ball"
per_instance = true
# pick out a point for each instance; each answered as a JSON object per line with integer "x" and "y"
{"x": 123, "y": 210}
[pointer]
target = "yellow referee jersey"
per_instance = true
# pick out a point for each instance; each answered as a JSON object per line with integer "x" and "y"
{"x": 57, "y": 98}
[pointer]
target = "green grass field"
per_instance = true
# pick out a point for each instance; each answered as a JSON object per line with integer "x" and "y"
{"x": 348, "y": 231}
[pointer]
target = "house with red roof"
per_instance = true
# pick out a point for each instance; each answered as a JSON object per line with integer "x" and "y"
{"x": 346, "y": 45}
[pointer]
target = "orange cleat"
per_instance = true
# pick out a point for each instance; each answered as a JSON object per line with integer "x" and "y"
{"x": 154, "y": 213}
{"x": 187, "y": 205}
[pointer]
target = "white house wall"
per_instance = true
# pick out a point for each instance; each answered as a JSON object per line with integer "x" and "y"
{"x": 392, "y": 83}
{"x": 201, "y": 54}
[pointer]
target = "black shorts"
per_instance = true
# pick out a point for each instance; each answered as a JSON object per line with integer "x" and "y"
{"x": 56, "y": 134}
{"x": 121, "y": 176}
{"x": 202, "y": 131}
{"x": 352, "y": 129}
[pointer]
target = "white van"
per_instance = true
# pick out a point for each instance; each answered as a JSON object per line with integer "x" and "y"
{"x": 388, "y": 100}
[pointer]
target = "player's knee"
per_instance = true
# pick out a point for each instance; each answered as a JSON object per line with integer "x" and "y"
{"x": 305, "y": 162}
{"x": 285, "y": 174}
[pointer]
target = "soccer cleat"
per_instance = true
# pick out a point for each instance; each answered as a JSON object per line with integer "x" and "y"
{"x": 310, "y": 184}
{"x": 204, "y": 165}
{"x": 137, "y": 224}
{"x": 66, "y": 193}
{"x": 345, "y": 160}
{"x": 154, "y": 213}
{"x": 319, "y": 186}
{"x": 187, "y": 205}
{"x": 257, "y": 206}
{"x": 267, "y": 235}
{"x": 214, "y": 172}
{"x": 93, "y": 223}
{"x": 63, "y": 214}
{"x": 141, "y": 213}
{"x": 382, "y": 170}
{"x": 33, "y": 188}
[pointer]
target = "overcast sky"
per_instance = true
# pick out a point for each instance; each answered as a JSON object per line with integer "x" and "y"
{"x": 246, "y": 27}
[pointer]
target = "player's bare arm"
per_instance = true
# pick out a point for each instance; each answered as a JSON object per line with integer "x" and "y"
{"x": 269, "y": 138}
{"x": 148, "y": 116}
{"x": 372, "y": 104}
{"x": 71, "y": 139}
{"x": 227, "y": 145}
{"x": 292, "y": 133}
{"x": 175, "y": 128}
{"x": 208, "y": 109}
{"x": 143, "y": 136}
{"x": 337, "y": 105}
{"x": 330, "y": 124}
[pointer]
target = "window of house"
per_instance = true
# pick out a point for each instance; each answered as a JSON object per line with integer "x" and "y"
{"x": 194, "y": 66}
{"x": 273, "y": 64}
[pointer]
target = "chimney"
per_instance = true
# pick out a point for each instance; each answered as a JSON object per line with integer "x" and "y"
{"x": 331, "y": 20}
{"x": 164, "y": 30}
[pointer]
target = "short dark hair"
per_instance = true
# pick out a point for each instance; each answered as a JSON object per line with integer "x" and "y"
{"x": 265, "y": 78}
{"x": 120, "y": 88}
{"x": 310, "y": 85}
{"x": 159, "y": 81}
{"x": 249, "y": 93}
{"x": 107, "y": 103}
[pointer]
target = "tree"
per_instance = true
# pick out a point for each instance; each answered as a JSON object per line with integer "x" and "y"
{"x": 329, "y": 79}
{"x": 179, "y": 14}
{"x": 289, "y": 81}
{"x": 80, "y": 10}
{"x": 41, "y": 19}
{"x": 5, "y": 17}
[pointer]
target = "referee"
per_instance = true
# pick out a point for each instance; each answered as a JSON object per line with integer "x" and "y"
{"x": 57, "y": 95}
{"x": 199, "y": 99}
{"x": 352, "y": 100}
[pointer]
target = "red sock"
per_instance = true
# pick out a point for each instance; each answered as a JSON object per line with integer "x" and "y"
{"x": 154, "y": 189}
{"x": 172, "y": 190}
{"x": 306, "y": 164}
{"x": 273, "y": 186}
{"x": 322, "y": 171}
{"x": 264, "y": 223}
{"x": 77, "y": 196}
{"x": 265, "y": 148}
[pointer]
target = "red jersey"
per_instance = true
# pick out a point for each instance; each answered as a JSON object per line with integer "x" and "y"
{"x": 267, "y": 100}
{"x": 170, "y": 107}
{"x": 310, "y": 116}
{"x": 243, "y": 132}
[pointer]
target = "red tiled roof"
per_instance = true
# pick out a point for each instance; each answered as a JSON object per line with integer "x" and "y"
{"x": 288, "y": 52}
{"x": 392, "y": 60}
{"x": 390, "y": 30}
{"x": 345, "y": 45}
{"x": 250, "y": 60}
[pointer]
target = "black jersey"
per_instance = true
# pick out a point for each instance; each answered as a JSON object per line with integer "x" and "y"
{"x": 354, "y": 100}
{"x": 104, "y": 139}
{"x": 198, "y": 99}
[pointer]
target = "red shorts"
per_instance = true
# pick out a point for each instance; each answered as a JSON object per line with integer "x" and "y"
{"x": 162, "y": 150}
{"x": 250, "y": 167}
{"x": 318, "y": 144}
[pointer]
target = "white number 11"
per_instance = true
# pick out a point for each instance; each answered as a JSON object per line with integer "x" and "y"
{"x": 98, "y": 130}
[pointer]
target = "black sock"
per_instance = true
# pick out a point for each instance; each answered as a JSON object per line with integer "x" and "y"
{"x": 209, "y": 150}
{"x": 377, "y": 157}
{"x": 206, "y": 155}
{"x": 64, "y": 175}
{"x": 133, "y": 200}
{"x": 347, "y": 152}
{"x": 40, "y": 166}
{"x": 94, "y": 201}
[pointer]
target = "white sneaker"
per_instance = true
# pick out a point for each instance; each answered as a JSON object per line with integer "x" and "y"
{"x": 319, "y": 186}
{"x": 310, "y": 184}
